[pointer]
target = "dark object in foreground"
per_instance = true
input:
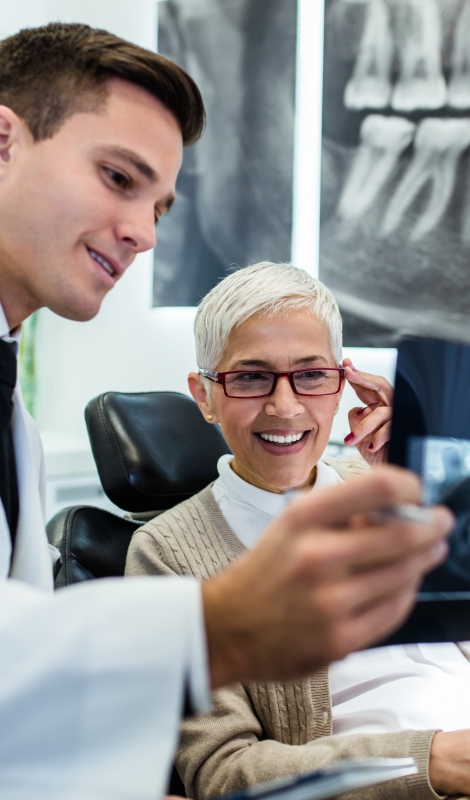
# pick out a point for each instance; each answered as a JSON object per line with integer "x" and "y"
{"x": 431, "y": 436}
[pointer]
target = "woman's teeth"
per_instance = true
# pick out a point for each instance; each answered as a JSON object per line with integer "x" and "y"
{"x": 102, "y": 261}
{"x": 270, "y": 437}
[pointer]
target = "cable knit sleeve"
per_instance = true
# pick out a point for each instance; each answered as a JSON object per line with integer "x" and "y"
{"x": 225, "y": 751}
{"x": 150, "y": 556}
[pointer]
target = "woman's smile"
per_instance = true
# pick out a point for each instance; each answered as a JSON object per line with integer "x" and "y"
{"x": 281, "y": 442}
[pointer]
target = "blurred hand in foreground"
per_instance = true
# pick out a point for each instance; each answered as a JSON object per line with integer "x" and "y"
{"x": 325, "y": 579}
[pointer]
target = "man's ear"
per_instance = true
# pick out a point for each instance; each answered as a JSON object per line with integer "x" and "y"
{"x": 12, "y": 131}
{"x": 202, "y": 397}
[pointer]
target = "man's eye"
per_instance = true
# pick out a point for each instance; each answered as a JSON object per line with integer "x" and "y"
{"x": 118, "y": 178}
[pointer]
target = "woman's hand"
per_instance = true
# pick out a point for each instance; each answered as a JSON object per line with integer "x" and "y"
{"x": 370, "y": 426}
{"x": 449, "y": 763}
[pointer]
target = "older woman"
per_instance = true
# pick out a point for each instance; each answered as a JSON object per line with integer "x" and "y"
{"x": 268, "y": 342}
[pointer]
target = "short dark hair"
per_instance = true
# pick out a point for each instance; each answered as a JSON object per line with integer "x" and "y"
{"x": 49, "y": 73}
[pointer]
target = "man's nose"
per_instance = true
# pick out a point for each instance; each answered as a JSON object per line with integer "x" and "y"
{"x": 284, "y": 402}
{"x": 138, "y": 232}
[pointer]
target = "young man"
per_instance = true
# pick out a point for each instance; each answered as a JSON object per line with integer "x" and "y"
{"x": 91, "y": 680}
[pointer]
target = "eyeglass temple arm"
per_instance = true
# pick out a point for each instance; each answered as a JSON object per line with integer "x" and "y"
{"x": 210, "y": 374}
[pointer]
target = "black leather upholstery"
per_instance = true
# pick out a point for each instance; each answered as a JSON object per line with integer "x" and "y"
{"x": 93, "y": 543}
{"x": 153, "y": 449}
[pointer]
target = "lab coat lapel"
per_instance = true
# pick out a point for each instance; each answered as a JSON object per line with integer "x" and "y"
{"x": 31, "y": 558}
{"x": 5, "y": 544}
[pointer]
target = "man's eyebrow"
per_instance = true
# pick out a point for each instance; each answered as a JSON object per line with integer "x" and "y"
{"x": 137, "y": 161}
{"x": 141, "y": 166}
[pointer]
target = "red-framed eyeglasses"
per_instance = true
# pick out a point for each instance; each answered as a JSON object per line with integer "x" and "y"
{"x": 246, "y": 384}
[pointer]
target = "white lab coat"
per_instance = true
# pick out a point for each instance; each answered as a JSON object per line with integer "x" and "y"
{"x": 91, "y": 677}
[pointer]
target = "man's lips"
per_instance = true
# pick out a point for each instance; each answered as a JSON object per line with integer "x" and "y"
{"x": 110, "y": 265}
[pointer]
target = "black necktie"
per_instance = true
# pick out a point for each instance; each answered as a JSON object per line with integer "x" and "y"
{"x": 8, "y": 477}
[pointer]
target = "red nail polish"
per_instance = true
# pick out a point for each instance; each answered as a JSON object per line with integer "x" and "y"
{"x": 360, "y": 411}
{"x": 371, "y": 446}
{"x": 349, "y": 437}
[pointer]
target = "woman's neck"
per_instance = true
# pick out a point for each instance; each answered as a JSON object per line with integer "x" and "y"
{"x": 258, "y": 481}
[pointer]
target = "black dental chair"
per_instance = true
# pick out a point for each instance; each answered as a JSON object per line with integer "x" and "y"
{"x": 152, "y": 451}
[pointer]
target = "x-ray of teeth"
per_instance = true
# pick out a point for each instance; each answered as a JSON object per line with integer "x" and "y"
{"x": 421, "y": 83}
{"x": 438, "y": 146}
{"x": 382, "y": 140}
{"x": 395, "y": 185}
{"x": 465, "y": 215}
{"x": 234, "y": 190}
{"x": 459, "y": 84}
{"x": 399, "y": 56}
{"x": 465, "y": 227}
{"x": 370, "y": 85}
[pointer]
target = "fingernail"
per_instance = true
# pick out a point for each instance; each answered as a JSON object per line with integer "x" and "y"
{"x": 360, "y": 411}
{"x": 371, "y": 446}
{"x": 353, "y": 367}
{"x": 349, "y": 437}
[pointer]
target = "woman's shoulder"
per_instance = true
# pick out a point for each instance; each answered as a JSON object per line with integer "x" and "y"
{"x": 347, "y": 466}
{"x": 195, "y": 511}
{"x": 184, "y": 540}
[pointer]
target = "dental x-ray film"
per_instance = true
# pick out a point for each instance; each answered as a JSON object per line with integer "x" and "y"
{"x": 395, "y": 198}
{"x": 234, "y": 190}
{"x": 431, "y": 436}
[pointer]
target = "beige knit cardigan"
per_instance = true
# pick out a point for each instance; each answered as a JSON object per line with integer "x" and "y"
{"x": 259, "y": 731}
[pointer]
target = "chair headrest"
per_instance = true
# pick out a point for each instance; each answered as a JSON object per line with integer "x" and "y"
{"x": 152, "y": 449}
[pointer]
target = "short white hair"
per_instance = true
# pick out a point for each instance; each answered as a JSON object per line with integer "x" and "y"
{"x": 267, "y": 289}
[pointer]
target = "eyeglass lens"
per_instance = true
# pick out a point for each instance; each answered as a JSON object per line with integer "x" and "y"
{"x": 256, "y": 384}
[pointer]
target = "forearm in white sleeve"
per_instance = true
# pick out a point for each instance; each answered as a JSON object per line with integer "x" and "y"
{"x": 198, "y": 676}
{"x": 91, "y": 686}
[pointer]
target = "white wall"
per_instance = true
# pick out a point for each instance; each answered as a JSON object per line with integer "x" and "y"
{"x": 128, "y": 347}
{"x": 307, "y": 141}
{"x": 135, "y": 20}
